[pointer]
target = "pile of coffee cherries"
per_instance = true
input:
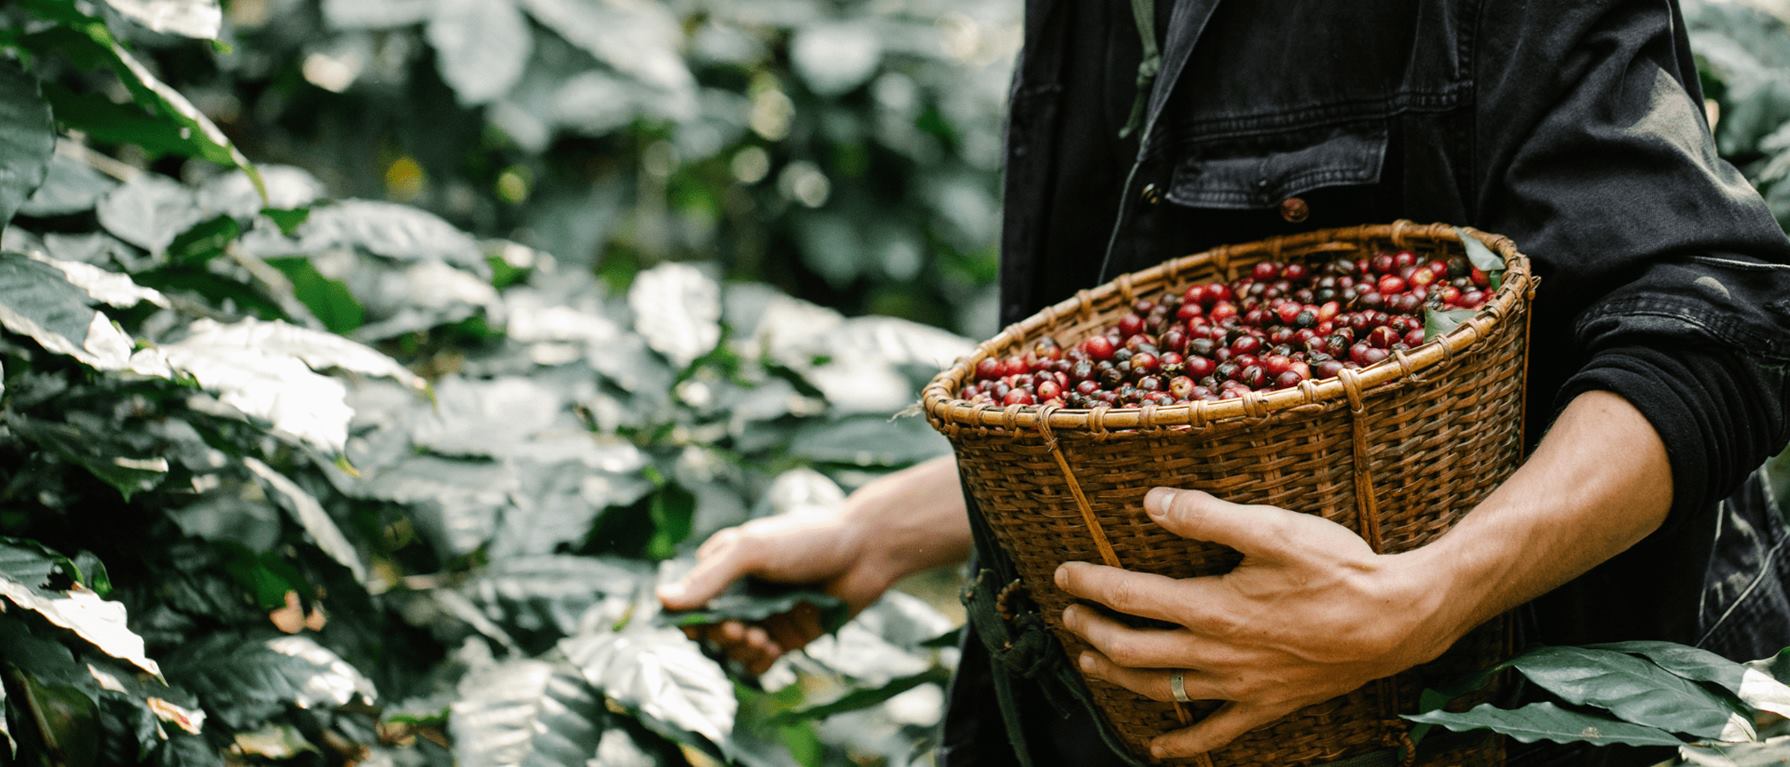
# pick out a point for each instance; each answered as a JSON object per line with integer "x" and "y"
{"x": 1273, "y": 327}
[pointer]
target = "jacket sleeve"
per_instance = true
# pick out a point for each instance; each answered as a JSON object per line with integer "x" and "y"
{"x": 1664, "y": 277}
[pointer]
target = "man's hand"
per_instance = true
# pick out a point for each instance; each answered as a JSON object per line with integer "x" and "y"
{"x": 897, "y": 525}
{"x": 1310, "y": 614}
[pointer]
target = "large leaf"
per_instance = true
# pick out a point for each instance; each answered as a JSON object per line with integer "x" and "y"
{"x": 384, "y": 229}
{"x": 1546, "y": 721}
{"x": 191, "y": 18}
{"x": 1754, "y": 688}
{"x": 318, "y": 350}
{"x": 38, "y": 301}
{"x": 457, "y": 501}
{"x": 481, "y": 47}
{"x": 96, "y": 621}
{"x": 27, "y": 138}
{"x": 359, "y": 14}
{"x": 487, "y": 418}
{"x": 636, "y": 37}
{"x": 108, "y": 455}
{"x": 70, "y": 186}
{"x": 525, "y": 713}
{"x": 234, "y": 193}
{"x": 245, "y": 681}
{"x": 1632, "y": 689}
{"x": 270, "y": 386}
{"x": 663, "y": 677}
{"x": 107, "y": 287}
{"x": 753, "y": 600}
{"x": 550, "y": 594}
{"x": 1773, "y": 752}
{"x": 868, "y": 441}
{"x": 677, "y": 309}
{"x": 865, "y": 697}
{"x": 310, "y": 516}
{"x": 149, "y": 211}
{"x": 835, "y": 57}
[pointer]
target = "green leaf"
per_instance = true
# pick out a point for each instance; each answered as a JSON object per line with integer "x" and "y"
{"x": 1440, "y": 322}
{"x": 525, "y": 712}
{"x": 385, "y": 229}
{"x": 548, "y": 594}
{"x": 868, "y": 441}
{"x": 149, "y": 211}
{"x": 67, "y": 720}
{"x": 359, "y": 14}
{"x": 677, "y": 309}
{"x": 1632, "y": 689}
{"x": 481, "y": 47}
{"x": 203, "y": 241}
{"x": 96, "y": 621}
{"x": 12, "y": 746}
{"x": 329, "y": 300}
{"x": 753, "y": 600}
{"x": 1753, "y": 687}
{"x": 107, "y": 456}
{"x": 672, "y": 512}
{"x": 38, "y": 301}
{"x": 104, "y": 121}
{"x": 71, "y": 186}
{"x": 30, "y": 563}
{"x": 188, "y": 18}
{"x": 662, "y": 677}
{"x": 1482, "y": 257}
{"x": 27, "y": 138}
{"x": 1774, "y": 752}
{"x": 243, "y": 681}
{"x": 1546, "y": 721}
{"x": 863, "y": 698}
{"x": 455, "y": 502}
{"x": 310, "y": 516}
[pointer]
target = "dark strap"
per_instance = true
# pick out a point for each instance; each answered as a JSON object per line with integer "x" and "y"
{"x": 1143, "y": 12}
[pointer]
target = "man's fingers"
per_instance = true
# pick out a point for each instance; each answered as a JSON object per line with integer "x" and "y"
{"x": 1257, "y": 531}
{"x": 1152, "y": 684}
{"x": 1144, "y": 594}
{"x": 1213, "y": 732}
{"x": 1136, "y": 648}
{"x": 725, "y": 558}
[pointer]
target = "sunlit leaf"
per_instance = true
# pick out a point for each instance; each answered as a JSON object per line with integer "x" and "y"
{"x": 27, "y": 138}
{"x": 96, "y": 621}
{"x": 835, "y": 57}
{"x": 662, "y": 677}
{"x": 1632, "y": 689}
{"x": 1773, "y": 752}
{"x": 38, "y": 301}
{"x": 310, "y": 516}
{"x": 1751, "y": 686}
{"x": 753, "y": 600}
{"x": 359, "y": 14}
{"x": 480, "y": 46}
{"x": 70, "y": 186}
{"x": 677, "y": 309}
{"x": 525, "y": 713}
{"x": 243, "y": 681}
{"x": 549, "y": 594}
{"x": 149, "y": 211}
{"x": 189, "y": 18}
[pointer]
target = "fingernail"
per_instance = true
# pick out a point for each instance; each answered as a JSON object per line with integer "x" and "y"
{"x": 1086, "y": 662}
{"x": 1158, "y": 752}
{"x": 1157, "y": 501}
{"x": 1062, "y": 576}
{"x": 671, "y": 591}
{"x": 1069, "y": 615}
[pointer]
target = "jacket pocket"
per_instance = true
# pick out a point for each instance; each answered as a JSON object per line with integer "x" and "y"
{"x": 1260, "y": 171}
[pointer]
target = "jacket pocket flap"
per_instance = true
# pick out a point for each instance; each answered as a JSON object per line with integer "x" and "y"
{"x": 1262, "y": 171}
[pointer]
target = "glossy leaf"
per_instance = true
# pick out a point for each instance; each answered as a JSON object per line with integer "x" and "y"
{"x": 243, "y": 681}
{"x": 865, "y": 697}
{"x": 525, "y": 713}
{"x": 754, "y": 600}
{"x": 38, "y": 301}
{"x": 1440, "y": 322}
{"x": 329, "y": 300}
{"x": 1753, "y": 687}
{"x": 149, "y": 211}
{"x": 662, "y": 677}
{"x": 27, "y": 138}
{"x": 1546, "y": 721}
{"x": 677, "y": 309}
{"x": 96, "y": 621}
{"x": 1773, "y": 752}
{"x": 551, "y": 594}
{"x": 318, "y": 525}
{"x": 189, "y": 18}
{"x": 480, "y": 46}
{"x": 1632, "y": 689}
{"x": 70, "y": 186}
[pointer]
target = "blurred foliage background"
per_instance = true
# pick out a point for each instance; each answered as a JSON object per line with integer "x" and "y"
{"x": 846, "y": 152}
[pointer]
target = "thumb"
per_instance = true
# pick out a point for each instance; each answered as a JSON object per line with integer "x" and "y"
{"x": 1256, "y": 531}
{"x": 726, "y": 560}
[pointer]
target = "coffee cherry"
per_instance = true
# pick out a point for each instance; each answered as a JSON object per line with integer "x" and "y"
{"x": 1383, "y": 263}
{"x": 1414, "y": 338}
{"x": 1276, "y": 364}
{"x": 1144, "y": 363}
{"x": 1404, "y": 258}
{"x": 1253, "y": 376}
{"x": 1049, "y": 390}
{"x": 1181, "y": 387}
{"x": 1246, "y": 345}
{"x": 1382, "y": 337}
{"x": 1294, "y": 272}
{"x": 1098, "y": 348}
{"x": 1130, "y": 325}
{"x": 1391, "y": 283}
{"x": 1328, "y": 369}
{"x": 1200, "y": 367}
{"x": 1222, "y": 310}
{"x": 1017, "y": 397}
{"x": 989, "y": 369}
{"x": 1288, "y": 380}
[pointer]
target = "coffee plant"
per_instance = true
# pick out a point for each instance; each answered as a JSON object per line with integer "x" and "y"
{"x": 323, "y": 480}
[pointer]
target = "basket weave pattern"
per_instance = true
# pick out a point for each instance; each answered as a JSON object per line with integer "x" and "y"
{"x": 1395, "y": 452}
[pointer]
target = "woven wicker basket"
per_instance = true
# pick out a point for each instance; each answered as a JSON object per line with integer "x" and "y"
{"x": 1396, "y": 451}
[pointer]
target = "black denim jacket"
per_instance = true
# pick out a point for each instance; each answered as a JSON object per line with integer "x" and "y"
{"x": 1575, "y": 128}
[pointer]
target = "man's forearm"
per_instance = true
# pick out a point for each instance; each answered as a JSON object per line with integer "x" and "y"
{"x": 915, "y": 518}
{"x": 1597, "y": 484}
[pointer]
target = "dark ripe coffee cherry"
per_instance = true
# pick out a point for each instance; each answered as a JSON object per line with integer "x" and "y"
{"x": 1098, "y": 348}
{"x": 1049, "y": 390}
{"x": 1288, "y": 380}
{"x": 1200, "y": 367}
{"x": 1246, "y": 345}
{"x": 1265, "y": 271}
{"x": 1130, "y": 325}
{"x": 1305, "y": 296}
{"x": 1322, "y": 295}
{"x": 1280, "y": 335}
{"x": 1305, "y": 318}
{"x": 1414, "y": 338}
{"x": 1254, "y": 377}
{"x": 1370, "y": 300}
{"x": 1316, "y": 345}
{"x": 1390, "y": 284}
{"x": 1383, "y": 263}
{"x": 1459, "y": 266}
{"x": 1172, "y": 363}
{"x": 1172, "y": 341}
{"x": 1195, "y": 296}
{"x": 1382, "y": 337}
{"x": 1144, "y": 363}
{"x": 1276, "y": 364}
{"x": 1295, "y": 272}
{"x": 1221, "y": 311}
{"x": 1087, "y": 387}
{"x": 1149, "y": 383}
{"x": 1222, "y": 353}
{"x": 1082, "y": 371}
{"x": 1258, "y": 290}
{"x": 1017, "y": 397}
{"x": 1328, "y": 369}
{"x": 1201, "y": 346}
{"x": 1337, "y": 344}
{"x": 1303, "y": 335}
{"x": 1288, "y": 311}
{"x": 1404, "y": 303}
{"x": 1473, "y": 299}
{"x": 1112, "y": 377}
{"x": 1232, "y": 393}
{"x": 1139, "y": 343}
{"x": 1360, "y": 322}
{"x": 1228, "y": 370}
{"x": 1256, "y": 317}
{"x": 1181, "y": 387}
{"x": 1343, "y": 265}
{"x": 1404, "y": 258}
{"x": 1362, "y": 354}
{"x": 1122, "y": 355}
{"x": 1190, "y": 311}
{"x": 1218, "y": 292}
{"x": 1143, "y": 307}
{"x": 989, "y": 369}
{"x": 1245, "y": 360}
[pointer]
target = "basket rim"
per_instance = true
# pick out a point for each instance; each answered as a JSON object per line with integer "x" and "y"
{"x": 943, "y": 407}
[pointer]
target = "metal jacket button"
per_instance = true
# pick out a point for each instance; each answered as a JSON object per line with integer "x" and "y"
{"x": 1294, "y": 210}
{"x": 1150, "y": 194}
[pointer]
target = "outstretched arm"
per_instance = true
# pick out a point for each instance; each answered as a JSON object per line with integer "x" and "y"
{"x": 1312, "y": 612}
